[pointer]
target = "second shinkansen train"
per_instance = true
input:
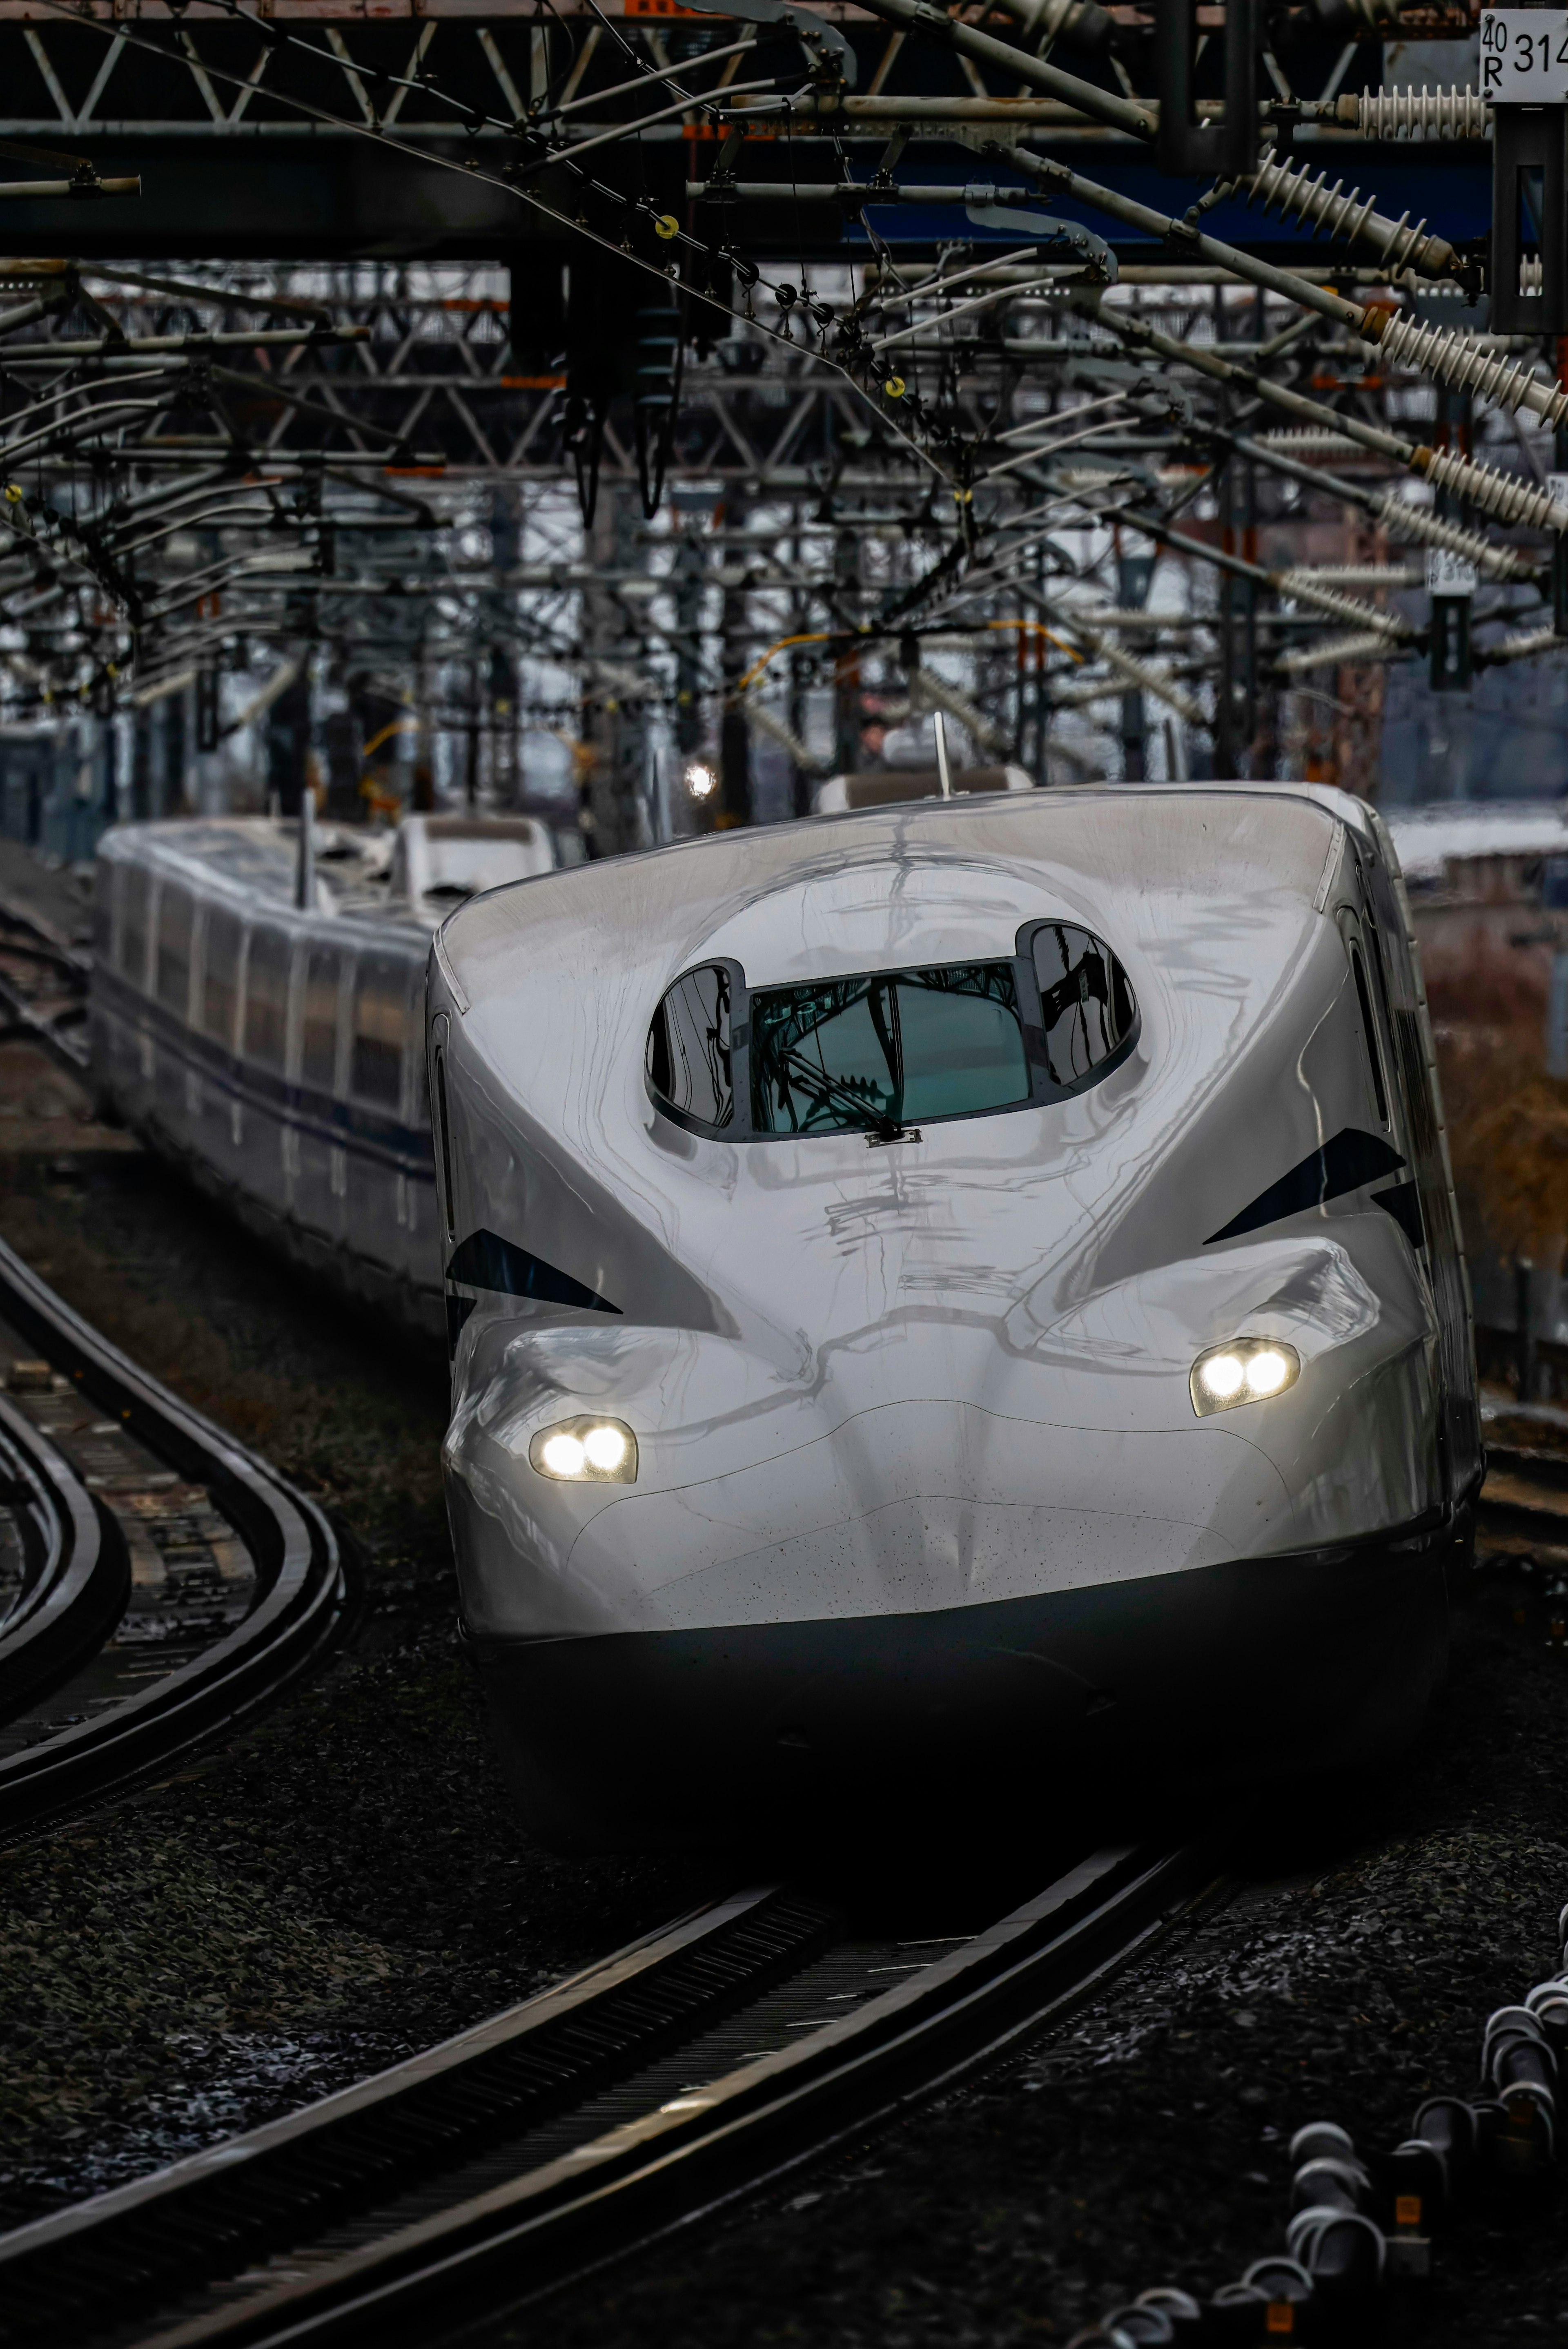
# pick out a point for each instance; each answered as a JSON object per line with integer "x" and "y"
{"x": 257, "y": 1013}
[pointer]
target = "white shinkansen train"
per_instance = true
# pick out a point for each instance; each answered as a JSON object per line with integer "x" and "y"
{"x": 961, "y": 1296}
{"x": 257, "y": 1012}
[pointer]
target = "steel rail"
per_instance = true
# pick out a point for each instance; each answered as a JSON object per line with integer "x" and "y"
{"x": 1525, "y": 1492}
{"x": 74, "y": 1585}
{"x": 301, "y": 1584}
{"x": 569, "y": 2182}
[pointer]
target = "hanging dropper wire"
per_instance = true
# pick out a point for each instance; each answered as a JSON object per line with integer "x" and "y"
{"x": 943, "y": 776}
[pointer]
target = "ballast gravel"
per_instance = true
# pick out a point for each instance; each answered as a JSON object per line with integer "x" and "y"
{"x": 344, "y": 1885}
{"x": 1346, "y": 1974}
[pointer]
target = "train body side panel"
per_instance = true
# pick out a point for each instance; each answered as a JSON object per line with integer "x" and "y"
{"x": 226, "y": 1035}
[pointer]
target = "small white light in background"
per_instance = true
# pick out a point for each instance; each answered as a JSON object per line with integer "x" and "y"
{"x": 701, "y": 782}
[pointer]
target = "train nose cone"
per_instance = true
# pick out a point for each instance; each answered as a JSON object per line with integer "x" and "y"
{"x": 921, "y": 1504}
{"x": 927, "y": 1593}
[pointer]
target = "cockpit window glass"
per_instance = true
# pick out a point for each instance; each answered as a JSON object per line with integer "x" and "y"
{"x": 1086, "y": 1003}
{"x": 898, "y": 1045}
{"x": 688, "y": 1059}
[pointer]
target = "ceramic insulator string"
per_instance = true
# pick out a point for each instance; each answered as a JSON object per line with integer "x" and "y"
{"x": 1312, "y": 440}
{"x": 1420, "y": 524}
{"x": 1330, "y": 651}
{"x": 1461, "y": 363}
{"x": 1416, "y": 113}
{"x": 1337, "y": 607}
{"x": 1506, "y": 497}
{"x": 1328, "y": 210}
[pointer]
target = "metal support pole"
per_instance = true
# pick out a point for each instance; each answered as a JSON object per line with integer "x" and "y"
{"x": 142, "y": 767}
{"x": 1225, "y": 499}
{"x": 1134, "y": 577}
{"x": 1523, "y": 1335}
{"x": 288, "y": 740}
{"x": 471, "y": 772}
{"x": 735, "y": 735}
{"x": 1557, "y": 1016}
{"x": 847, "y": 665}
{"x": 686, "y": 586}
{"x": 176, "y": 796}
{"x": 615, "y": 815}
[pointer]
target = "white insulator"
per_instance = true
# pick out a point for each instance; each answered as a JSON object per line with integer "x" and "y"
{"x": 766, "y": 721}
{"x": 1328, "y": 210}
{"x": 1458, "y": 360}
{"x": 1512, "y": 648}
{"x": 1506, "y": 497}
{"x": 1314, "y": 440}
{"x": 1302, "y": 588}
{"x": 1348, "y": 575}
{"x": 1332, "y": 651}
{"x": 1419, "y": 522}
{"x": 1155, "y": 682}
{"x": 1416, "y": 113}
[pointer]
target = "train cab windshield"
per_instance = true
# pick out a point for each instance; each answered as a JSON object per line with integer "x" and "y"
{"x": 899, "y": 1045}
{"x": 890, "y": 1048}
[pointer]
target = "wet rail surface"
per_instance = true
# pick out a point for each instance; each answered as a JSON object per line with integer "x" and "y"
{"x": 707, "y": 2060}
{"x": 158, "y": 1581}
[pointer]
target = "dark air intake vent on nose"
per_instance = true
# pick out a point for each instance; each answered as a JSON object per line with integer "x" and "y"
{"x": 486, "y": 1261}
{"x": 1351, "y": 1159}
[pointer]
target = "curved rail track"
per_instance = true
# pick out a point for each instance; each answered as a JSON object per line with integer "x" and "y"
{"x": 160, "y": 1580}
{"x": 711, "y": 2059}
{"x": 1524, "y": 1500}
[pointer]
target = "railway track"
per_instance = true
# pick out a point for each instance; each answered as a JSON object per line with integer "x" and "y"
{"x": 159, "y": 1581}
{"x": 1523, "y": 1507}
{"x": 711, "y": 2059}
{"x": 42, "y": 987}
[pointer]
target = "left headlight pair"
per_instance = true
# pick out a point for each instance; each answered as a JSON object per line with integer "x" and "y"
{"x": 1249, "y": 1369}
{"x": 587, "y": 1450}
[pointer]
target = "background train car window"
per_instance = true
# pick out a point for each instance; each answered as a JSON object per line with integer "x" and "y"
{"x": 106, "y": 896}
{"x": 322, "y": 973}
{"x": 688, "y": 1047}
{"x": 267, "y": 997}
{"x": 899, "y": 1045}
{"x": 176, "y": 926}
{"x": 420, "y": 1107}
{"x": 380, "y": 1031}
{"x": 1086, "y": 1003}
{"x": 135, "y": 905}
{"x": 221, "y": 975}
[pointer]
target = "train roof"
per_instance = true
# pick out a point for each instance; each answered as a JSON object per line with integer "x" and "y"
{"x": 1430, "y": 839}
{"x": 363, "y": 875}
{"x": 814, "y": 899}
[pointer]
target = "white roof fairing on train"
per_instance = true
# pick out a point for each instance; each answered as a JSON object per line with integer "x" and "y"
{"x": 1047, "y": 1265}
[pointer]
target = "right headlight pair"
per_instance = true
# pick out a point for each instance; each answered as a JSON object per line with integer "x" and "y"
{"x": 586, "y": 1450}
{"x": 1248, "y": 1369}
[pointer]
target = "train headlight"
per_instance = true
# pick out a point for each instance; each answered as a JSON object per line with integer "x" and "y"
{"x": 1249, "y": 1369}
{"x": 587, "y": 1450}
